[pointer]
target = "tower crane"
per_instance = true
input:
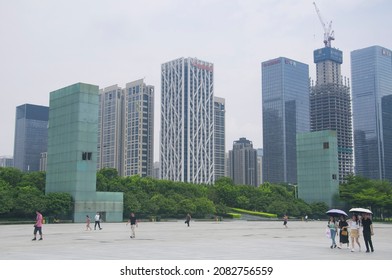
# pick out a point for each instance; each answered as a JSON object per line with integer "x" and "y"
{"x": 328, "y": 32}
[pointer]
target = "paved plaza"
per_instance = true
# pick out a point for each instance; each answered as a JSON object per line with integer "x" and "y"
{"x": 203, "y": 240}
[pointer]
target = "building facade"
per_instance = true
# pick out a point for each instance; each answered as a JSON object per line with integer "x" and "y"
{"x": 187, "y": 121}
{"x": 285, "y": 101}
{"x": 6, "y": 161}
{"x": 126, "y": 129}
{"x": 31, "y": 136}
{"x": 139, "y": 129}
{"x": 330, "y": 105}
{"x": 219, "y": 137}
{"x": 318, "y": 167}
{"x": 110, "y": 132}
{"x": 243, "y": 167}
{"x": 72, "y": 153}
{"x": 371, "y": 77}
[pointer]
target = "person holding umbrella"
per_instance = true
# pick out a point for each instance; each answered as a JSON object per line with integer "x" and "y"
{"x": 367, "y": 232}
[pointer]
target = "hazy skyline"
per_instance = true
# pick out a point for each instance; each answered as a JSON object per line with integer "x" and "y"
{"x": 48, "y": 45}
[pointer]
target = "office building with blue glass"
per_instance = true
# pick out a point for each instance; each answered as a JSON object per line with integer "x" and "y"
{"x": 31, "y": 136}
{"x": 371, "y": 70}
{"x": 285, "y": 101}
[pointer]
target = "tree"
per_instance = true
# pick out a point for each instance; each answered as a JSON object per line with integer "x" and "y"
{"x": 6, "y": 199}
{"x": 11, "y": 175}
{"x": 28, "y": 200}
{"x": 59, "y": 205}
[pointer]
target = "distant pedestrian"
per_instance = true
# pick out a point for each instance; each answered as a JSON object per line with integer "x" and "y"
{"x": 333, "y": 231}
{"x": 368, "y": 232}
{"x": 97, "y": 219}
{"x": 188, "y": 219}
{"x": 38, "y": 225}
{"x": 133, "y": 221}
{"x": 88, "y": 221}
{"x": 354, "y": 232}
{"x": 306, "y": 218}
{"x": 285, "y": 220}
{"x": 343, "y": 235}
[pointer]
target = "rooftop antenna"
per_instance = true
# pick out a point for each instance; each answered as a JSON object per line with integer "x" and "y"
{"x": 329, "y": 34}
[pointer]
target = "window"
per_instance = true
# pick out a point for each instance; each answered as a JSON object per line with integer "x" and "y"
{"x": 334, "y": 177}
{"x": 326, "y": 145}
{"x": 87, "y": 155}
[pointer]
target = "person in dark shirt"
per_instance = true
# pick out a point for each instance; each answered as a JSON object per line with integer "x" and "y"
{"x": 368, "y": 232}
{"x": 188, "y": 219}
{"x": 132, "y": 220}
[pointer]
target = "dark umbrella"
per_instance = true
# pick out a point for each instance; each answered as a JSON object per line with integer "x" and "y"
{"x": 336, "y": 213}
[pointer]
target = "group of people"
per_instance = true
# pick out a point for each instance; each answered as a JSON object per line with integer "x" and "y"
{"x": 350, "y": 229}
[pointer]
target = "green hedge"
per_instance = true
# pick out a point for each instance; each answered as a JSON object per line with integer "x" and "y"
{"x": 261, "y": 214}
{"x": 234, "y": 215}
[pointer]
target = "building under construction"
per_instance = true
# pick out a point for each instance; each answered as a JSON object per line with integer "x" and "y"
{"x": 330, "y": 105}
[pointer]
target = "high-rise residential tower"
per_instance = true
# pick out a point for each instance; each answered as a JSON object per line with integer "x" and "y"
{"x": 31, "y": 136}
{"x": 330, "y": 105}
{"x": 126, "y": 129}
{"x": 220, "y": 139}
{"x": 243, "y": 167}
{"x": 371, "y": 77}
{"x": 187, "y": 121}
{"x": 138, "y": 129}
{"x": 110, "y": 131}
{"x": 285, "y": 101}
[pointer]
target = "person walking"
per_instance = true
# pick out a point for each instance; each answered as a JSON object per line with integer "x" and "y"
{"x": 285, "y": 220}
{"x": 333, "y": 231}
{"x": 132, "y": 220}
{"x": 97, "y": 219}
{"x": 38, "y": 226}
{"x": 188, "y": 219}
{"x": 88, "y": 221}
{"x": 367, "y": 232}
{"x": 343, "y": 234}
{"x": 354, "y": 232}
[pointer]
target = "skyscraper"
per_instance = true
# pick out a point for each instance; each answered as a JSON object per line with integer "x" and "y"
{"x": 138, "y": 129}
{"x": 31, "y": 136}
{"x": 371, "y": 72}
{"x": 110, "y": 129}
{"x": 330, "y": 105}
{"x": 220, "y": 139}
{"x": 285, "y": 99}
{"x": 243, "y": 167}
{"x": 187, "y": 121}
{"x": 126, "y": 129}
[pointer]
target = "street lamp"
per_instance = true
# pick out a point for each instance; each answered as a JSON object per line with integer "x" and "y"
{"x": 295, "y": 190}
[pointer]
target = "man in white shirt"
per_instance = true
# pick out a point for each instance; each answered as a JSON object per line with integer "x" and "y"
{"x": 97, "y": 221}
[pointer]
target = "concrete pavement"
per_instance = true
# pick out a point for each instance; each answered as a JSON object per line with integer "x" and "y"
{"x": 227, "y": 240}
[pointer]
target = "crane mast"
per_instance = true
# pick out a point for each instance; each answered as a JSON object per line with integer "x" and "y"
{"x": 328, "y": 32}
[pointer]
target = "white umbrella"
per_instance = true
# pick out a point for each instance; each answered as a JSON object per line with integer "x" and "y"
{"x": 361, "y": 210}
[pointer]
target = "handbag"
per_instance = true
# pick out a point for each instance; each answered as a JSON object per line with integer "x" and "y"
{"x": 344, "y": 232}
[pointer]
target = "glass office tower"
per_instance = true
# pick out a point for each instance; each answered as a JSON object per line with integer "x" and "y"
{"x": 31, "y": 136}
{"x": 285, "y": 101}
{"x": 371, "y": 70}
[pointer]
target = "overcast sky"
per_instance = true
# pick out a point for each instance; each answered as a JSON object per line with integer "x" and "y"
{"x": 48, "y": 44}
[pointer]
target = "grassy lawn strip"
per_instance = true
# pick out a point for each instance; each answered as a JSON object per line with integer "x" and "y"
{"x": 261, "y": 214}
